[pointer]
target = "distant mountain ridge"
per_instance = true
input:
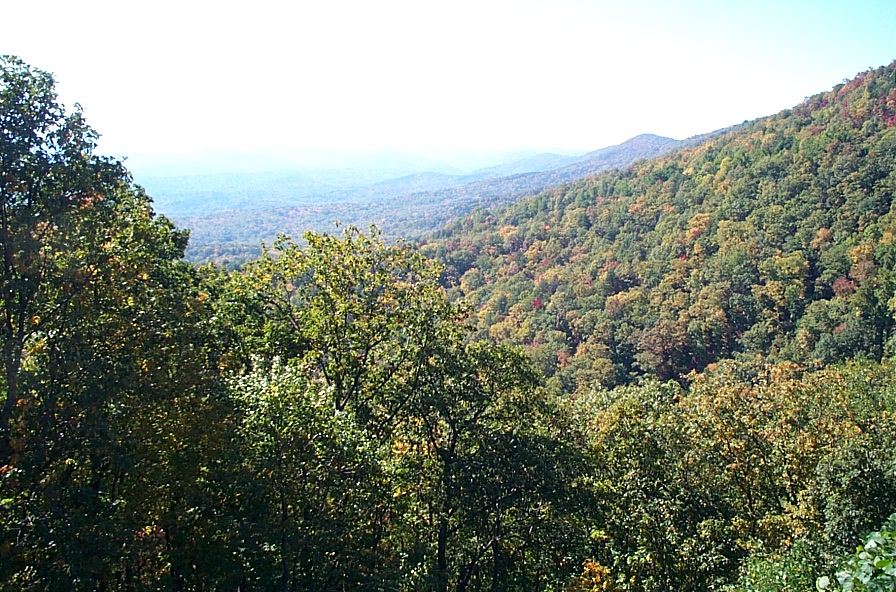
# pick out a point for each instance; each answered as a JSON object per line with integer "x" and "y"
{"x": 509, "y": 188}
{"x": 543, "y": 161}
{"x": 407, "y": 206}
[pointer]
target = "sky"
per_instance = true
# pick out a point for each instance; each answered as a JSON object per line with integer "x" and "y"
{"x": 171, "y": 77}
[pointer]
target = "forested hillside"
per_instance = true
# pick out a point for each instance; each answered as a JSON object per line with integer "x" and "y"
{"x": 332, "y": 418}
{"x": 774, "y": 241}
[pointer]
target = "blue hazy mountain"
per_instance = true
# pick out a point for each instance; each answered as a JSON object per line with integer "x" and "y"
{"x": 230, "y": 213}
{"x": 217, "y": 181}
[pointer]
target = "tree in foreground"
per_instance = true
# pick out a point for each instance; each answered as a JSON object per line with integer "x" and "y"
{"x": 450, "y": 459}
{"x": 873, "y": 566}
{"x": 106, "y": 418}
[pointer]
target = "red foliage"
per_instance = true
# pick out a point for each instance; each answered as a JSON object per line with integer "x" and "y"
{"x": 843, "y": 287}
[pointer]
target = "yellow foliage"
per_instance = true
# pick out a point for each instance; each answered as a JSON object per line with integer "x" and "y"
{"x": 506, "y": 231}
{"x": 639, "y": 206}
{"x": 595, "y": 578}
{"x": 822, "y": 237}
{"x": 861, "y": 253}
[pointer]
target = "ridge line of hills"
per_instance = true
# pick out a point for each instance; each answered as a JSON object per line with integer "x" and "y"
{"x": 258, "y": 206}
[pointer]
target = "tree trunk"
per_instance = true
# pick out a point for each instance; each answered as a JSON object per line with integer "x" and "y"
{"x": 12, "y": 355}
{"x": 442, "y": 556}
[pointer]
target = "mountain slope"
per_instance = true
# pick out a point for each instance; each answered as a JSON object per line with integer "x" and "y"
{"x": 776, "y": 239}
{"x": 396, "y": 207}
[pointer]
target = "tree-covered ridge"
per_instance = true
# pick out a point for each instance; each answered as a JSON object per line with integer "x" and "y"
{"x": 775, "y": 240}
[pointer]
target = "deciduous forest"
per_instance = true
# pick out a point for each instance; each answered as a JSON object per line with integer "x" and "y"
{"x": 674, "y": 376}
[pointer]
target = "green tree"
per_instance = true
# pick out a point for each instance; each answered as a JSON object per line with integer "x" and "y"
{"x": 480, "y": 480}
{"x": 872, "y": 568}
{"x": 113, "y": 440}
{"x": 50, "y": 181}
{"x": 356, "y": 313}
{"x": 316, "y": 497}
{"x": 486, "y": 462}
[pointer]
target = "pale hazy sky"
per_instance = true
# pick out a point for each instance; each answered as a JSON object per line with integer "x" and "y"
{"x": 176, "y": 76}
